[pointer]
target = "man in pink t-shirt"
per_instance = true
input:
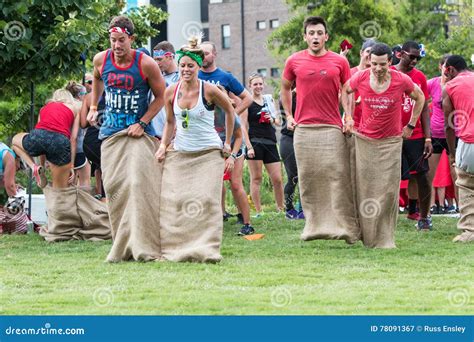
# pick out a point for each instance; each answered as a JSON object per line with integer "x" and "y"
{"x": 378, "y": 143}
{"x": 418, "y": 148}
{"x": 321, "y": 148}
{"x": 458, "y": 107}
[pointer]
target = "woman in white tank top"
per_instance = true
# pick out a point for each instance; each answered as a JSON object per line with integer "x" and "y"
{"x": 189, "y": 108}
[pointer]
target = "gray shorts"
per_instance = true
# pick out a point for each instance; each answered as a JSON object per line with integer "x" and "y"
{"x": 465, "y": 156}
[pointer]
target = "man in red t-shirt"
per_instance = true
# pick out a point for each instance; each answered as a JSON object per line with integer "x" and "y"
{"x": 458, "y": 108}
{"x": 378, "y": 145}
{"x": 321, "y": 149}
{"x": 418, "y": 148}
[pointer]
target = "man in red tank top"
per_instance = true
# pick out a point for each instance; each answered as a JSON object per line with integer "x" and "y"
{"x": 131, "y": 177}
{"x": 458, "y": 107}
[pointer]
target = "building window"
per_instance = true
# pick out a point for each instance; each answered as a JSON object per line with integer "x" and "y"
{"x": 275, "y": 72}
{"x": 225, "y": 36}
{"x": 274, "y": 23}
{"x": 261, "y": 25}
{"x": 262, "y": 72}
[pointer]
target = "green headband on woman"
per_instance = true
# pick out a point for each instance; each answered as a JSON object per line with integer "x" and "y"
{"x": 194, "y": 56}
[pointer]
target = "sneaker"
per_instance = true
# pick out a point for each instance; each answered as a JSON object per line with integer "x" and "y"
{"x": 424, "y": 224}
{"x": 434, "y": 210}
{"x": 246, "y": 230}
{"x": 413, "y": 216}
{"x": 240, "y": 219}
{"x": 450, "y": 210}
{"x": 40, "y": 176}
{"x": 226, "y": 216}
{"x": 291, "y": 214}
{"x": 301, "y": 215}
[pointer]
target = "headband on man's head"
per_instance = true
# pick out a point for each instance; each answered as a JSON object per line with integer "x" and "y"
{"x": 120, "y": 30}
{"x": 194, "y": 56}
{"x": 161, "y": 53}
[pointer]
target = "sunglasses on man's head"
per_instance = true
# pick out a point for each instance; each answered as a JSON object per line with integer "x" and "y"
{"x": 185, "y": 116}
{"x": 89, "y": 82}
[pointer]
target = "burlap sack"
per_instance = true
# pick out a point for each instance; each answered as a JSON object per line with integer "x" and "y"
{"x": 74, "y": 214}
{"x": 131, "y": 178}
{"x": 465, "y": 183}
{"x": 190, "y": 212}
{"x": 377, "y": 179}
{"x": 324, "y": 176}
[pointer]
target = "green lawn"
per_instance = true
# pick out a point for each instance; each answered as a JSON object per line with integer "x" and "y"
{"x": 426, "y": 274}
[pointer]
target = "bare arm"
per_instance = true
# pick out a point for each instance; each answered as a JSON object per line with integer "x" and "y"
{"x": 448, "y": 110}
{"x": 86, "y": 102}
{"x": 75, "y": 132}
{"x": 9, "y": 174}
{"x": 170, "y": 123}
{"x": 97, "y": 88}
{"x": 419, "y": 98}
{"x": 347, "y": 100}
{"x": 246, "y": 101}
{"x": 157, "y": 84}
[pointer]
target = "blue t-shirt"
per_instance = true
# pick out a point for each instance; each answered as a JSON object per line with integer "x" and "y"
{"x": 219, "y": 123}
{"x": 126, "y": 95}
{"x": 159, "y": 120}
{"x": 223, "y": 78}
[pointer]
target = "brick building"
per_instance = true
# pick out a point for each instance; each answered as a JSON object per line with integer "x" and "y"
{"x": 240, "y": 28}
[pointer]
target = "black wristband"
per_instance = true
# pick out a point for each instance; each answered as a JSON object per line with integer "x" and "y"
{"x": 143, "y": 124}
{"x": 411, "y": 126}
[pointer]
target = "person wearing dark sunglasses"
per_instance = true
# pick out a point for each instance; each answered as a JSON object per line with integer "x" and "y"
{"x": 418, "y": 148}
{"x": 88, "y": 82}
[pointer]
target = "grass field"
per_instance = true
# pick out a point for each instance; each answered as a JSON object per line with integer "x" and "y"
{"x": 426, "y": 274}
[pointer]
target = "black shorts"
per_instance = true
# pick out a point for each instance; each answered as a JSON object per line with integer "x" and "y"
{"x": 265, "y": 152}
{"x": 80, "y": 161}
{"x": 413, "y": 161}
{"x": 55, "y": 146}
{"x": 439, "y": 144}
{"x": 91, "y": 146}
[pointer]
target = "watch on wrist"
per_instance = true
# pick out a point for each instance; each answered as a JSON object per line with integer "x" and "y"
{"x": 234, "y": 156}
{"x": 143, "y": 124}
{"x": 411, "y": 126}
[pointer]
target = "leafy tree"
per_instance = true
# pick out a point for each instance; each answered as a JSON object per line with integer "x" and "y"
{"x": 42, "y": 41}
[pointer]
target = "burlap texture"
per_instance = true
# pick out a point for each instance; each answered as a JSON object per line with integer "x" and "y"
{"x": 377, "y": 179}
{"x": 190, "y": 212}
{"x": 74, "y": 214}
{"x": 324, "y": 175}
{"x": 132, "y": 179}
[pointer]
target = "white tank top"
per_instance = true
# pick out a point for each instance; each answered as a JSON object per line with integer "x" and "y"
{"x": 200, "y": 133}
